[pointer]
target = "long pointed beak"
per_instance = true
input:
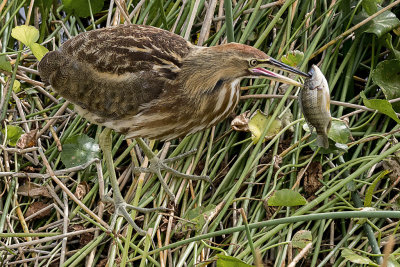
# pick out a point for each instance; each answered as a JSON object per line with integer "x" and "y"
{"x": 275, "y": 64}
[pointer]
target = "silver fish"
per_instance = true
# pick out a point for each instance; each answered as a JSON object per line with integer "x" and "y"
{"x": 315, "y": 105}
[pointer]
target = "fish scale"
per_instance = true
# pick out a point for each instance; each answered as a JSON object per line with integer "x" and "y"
{"x": 315, "y": 105}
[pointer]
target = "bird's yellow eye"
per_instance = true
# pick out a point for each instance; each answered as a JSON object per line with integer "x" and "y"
{"x": 253, "y": 62}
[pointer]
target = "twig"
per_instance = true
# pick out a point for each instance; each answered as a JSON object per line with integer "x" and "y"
{"x": 69, "y": 193}
{"x": 53, "y": 205}
{"x": 45, "y": 176}
{"x": 205, "y": 29}
{"x": 191, "y": 20}
{"x": 65, "y": 229}
{"x": 53, "y": 132}
{"x": 301, "y": 255}
{"x": 39, "y": 119}
{"x": 121, "y": 9}
{"x": 47, "y": 239}
{"x": 333, "y": 102}
{"x": 17, "y": 150}
{"x": 54, "y": 119}
{"x": 16, "y": 263}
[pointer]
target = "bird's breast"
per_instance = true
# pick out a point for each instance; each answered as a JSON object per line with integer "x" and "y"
{"x": 182, "y": 115}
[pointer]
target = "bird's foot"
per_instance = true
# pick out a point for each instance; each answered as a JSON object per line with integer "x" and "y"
{"x": 121, "y": 208}
{"x": 157, "y": 165}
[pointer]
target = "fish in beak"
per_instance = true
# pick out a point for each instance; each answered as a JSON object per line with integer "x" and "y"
{"x": 260, "y": 71}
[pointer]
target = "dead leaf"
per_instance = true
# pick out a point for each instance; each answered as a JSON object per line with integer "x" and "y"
{"x": 241, "y": 122}
{"x": 27, "y": 139}
{"x": 311, "y": 178}
{"x": 81, "y": 190}
{"x": 37, "y": 206}
{"x": 102, "y": 263}
{"x": 33, "y": 190}
{"x": 84, "y": 238}
{"x": 277, "y": 162}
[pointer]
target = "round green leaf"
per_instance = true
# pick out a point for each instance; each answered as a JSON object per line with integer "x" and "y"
{"x": 257, "y": 124}
{"x": 293, "y": 58}
{"x": 287, "y": 198}
{"x": 355, "y": 258}
{"x": 339, "y": 132}
{"x": 81, "y": 7}
{"x": 25, "y": 34}
{"x": 380, "y": 25}
{"x": 13, "y": 134}
{"x": 370, "y": 6}
{"x": 198, "y": 217}
{"x": 16, "y": 86}
{"x": 333, "y": 146}
{"x": 38, "y": 51}
{"x": 380, "y": 105}
{"x": 387, "y": 76}
{"x": 79, "y": 149}
{"x": 301, "y": 239}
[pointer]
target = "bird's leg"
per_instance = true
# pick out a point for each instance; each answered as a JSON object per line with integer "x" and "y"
{"x": 121, "y": 206}
{"x": 157, "y": 165}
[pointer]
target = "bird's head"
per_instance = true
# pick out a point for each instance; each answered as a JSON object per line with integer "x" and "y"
{"x": 243, "y": 61}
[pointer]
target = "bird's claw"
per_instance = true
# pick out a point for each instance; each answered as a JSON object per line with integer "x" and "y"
{"x": 157, "y": 165}
{"x": 121, "y": 208}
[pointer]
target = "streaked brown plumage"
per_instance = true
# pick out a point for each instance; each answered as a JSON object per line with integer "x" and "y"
{"x": 147, "y": 82}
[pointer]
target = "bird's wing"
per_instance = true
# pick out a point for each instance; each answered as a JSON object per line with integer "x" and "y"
{"x": 115, "y": 71}
{"x": 131, "y": 48}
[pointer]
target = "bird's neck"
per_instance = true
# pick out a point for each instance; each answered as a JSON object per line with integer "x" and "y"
{"x": 203, "y": 69}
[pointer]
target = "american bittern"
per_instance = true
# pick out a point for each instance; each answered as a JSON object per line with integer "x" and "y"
{"x": 147, "y": 82}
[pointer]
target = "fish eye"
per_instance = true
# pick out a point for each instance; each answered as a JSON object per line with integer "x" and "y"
{"x": 253, "y": 62}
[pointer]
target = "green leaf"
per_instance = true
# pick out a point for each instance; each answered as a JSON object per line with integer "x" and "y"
{"x": 257, "y": 124}
{"x": 380, "y": 25}
{"x": 355, "y": 258}
{"x": 198, "y": 216}
{"x": 79, "y": 149}
{"x": 371, "y": 188}
{"x": 38, "y": 51}
{"x": 370, "y": 6}
{"x": 13, "y": 134}
{"x": 334, "y": 147}
{"x": 81, "y": 7}
{"x": 25, "y": 34}
{"x": 287, "y": 198}
{"x": 16, "y": 86}
{"x": 5, "y": 64}
{"x": 293, "y": 58}
{"x": 380, "y": 105}
{"x": 301, "y": 239}
{"x": 387, "y": 76}
{"x": 339, "y": 132}
{"x": 229, "y": 261}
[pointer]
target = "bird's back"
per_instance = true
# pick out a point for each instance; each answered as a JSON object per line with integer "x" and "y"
{"x": 111, "y": 72}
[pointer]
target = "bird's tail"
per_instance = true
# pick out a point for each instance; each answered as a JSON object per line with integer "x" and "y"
{"x": 322, "y": 140}
{"x": 50, "y": 65}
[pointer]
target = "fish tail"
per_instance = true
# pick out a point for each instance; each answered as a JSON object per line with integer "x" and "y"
{"x": 323, "y": 141}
